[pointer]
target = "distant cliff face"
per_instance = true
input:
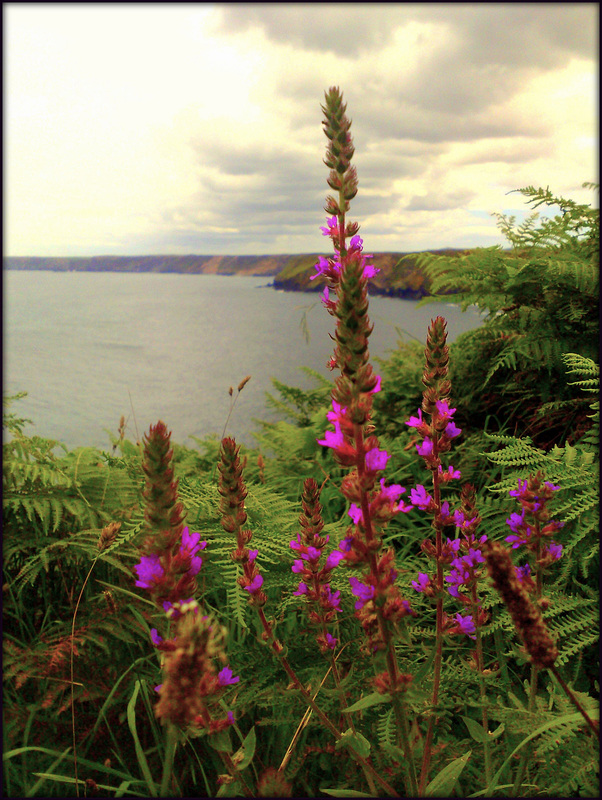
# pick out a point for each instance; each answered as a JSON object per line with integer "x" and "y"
{"x": 191, "y": 264}
{"x": 399, "y": 274}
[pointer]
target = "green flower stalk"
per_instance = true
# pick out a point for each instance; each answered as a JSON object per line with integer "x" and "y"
{"x": 164, "y": 515}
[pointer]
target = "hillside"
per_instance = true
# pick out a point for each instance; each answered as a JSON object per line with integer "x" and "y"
{"x": 398, "y": 277}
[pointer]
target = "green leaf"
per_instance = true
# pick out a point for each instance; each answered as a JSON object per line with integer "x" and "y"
{"x": 244, "y": 755}
{"x": 444, "y": 782}
{"x": 142, "y": 762}
{"x": 220, "y": 741}
{"x": 344, "y": 793}
{"x": 476, "y": 730}
{"x": 231, "y": 789}
{"x": 355, "y": 742}
{"x": 369, "y": 700}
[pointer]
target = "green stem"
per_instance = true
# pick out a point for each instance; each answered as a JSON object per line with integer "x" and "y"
{"x": 482, "y": 689}
{"x": 526, "y": 754}
{"x": 277, "y": 650}
{"x": 595, "y": 728}
{"x": 428, "y": 741}
{"x": 170, "y": 751}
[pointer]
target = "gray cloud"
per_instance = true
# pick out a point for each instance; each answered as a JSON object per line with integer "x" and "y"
{"x": 441, "y": 201}
{"x": 544, "y": 34}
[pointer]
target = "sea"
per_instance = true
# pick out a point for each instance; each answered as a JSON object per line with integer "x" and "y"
{"x": 89, "y": 347}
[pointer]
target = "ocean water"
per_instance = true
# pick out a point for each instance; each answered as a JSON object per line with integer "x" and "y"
{"x": 89, "y": 347}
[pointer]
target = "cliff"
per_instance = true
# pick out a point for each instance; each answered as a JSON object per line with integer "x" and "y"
{"x": 399, "y": 275}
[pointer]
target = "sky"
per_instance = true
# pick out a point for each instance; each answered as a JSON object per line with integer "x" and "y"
{"x": 141, "y": 129}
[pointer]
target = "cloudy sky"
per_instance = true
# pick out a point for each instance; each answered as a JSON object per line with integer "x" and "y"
{"x": 196, "y": 128}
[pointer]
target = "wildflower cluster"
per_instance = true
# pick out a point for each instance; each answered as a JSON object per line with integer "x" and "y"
{"x": 532, "y": 526}
{"x": 315, "y": 577}
{"x": 191, "y": 686}
{"x": 436, "y": 432}
{"x": 171, "y": 559}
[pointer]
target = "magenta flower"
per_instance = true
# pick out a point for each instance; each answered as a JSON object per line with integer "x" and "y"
{"x": 297, "y": 566}
{"x": 452, "y": 430}
{"x": 331, "y": 641}
{"x": 376, "y": 459}
{"x": 377, "y": 386}
{"x": 255, "y": 584}
{"x": 190, "y": 547}
{"x": 334, "y": 438}
{"x": 337, "y": 414}
{"x": 426, "y": 448}
{"x": 415, "y": 422}
{"x": 445, "y": 412}
{"x": 333, "y": 559}
{"x": 464, "y": 625}
{"x": 449, "y": 473}
{"x": 331, "y": 227}
{"x": 554, "y": 550}
{"x": 253, "y": 554}
{"x": 391, "y": 493}
{"x": 420, "y": 498}
{"x": 225, "y": 677}
{"x": 422, "y": 583}
{"x": 363, "y": 592}
{"x": 522, "y": 489}
{"x": 355, "y": 512}
{"x": 302, "y": 589}
{"x": 149, "y": 571}
{"x": 156, "y": 639}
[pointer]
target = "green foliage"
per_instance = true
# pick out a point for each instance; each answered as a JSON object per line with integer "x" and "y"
{"x": 540, "y": 298}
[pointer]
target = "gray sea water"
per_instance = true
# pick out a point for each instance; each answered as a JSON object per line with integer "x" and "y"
{"x": 89, "y": 347}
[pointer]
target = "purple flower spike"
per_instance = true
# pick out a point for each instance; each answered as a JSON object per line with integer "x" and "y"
{"x": 225, "y": 677}
{"x": 149, "y": 571}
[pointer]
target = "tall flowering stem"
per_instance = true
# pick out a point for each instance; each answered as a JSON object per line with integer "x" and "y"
{"x": 436, "y": 431}
{"x": 379, "y": 606}
{"x": 233, "y": 492}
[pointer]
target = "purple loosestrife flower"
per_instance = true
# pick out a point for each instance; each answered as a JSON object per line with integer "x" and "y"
{"x": 449, "y": 474}
{"x": 149, "y": 571}
{"x": 355, "y": 512}
{"x": 362, "y": 591}
{"x": 426, "y": 448}
{"x": 420, "y": 498}
{"x": 255, "y": 585}
{"x": 555, "y": 550}
{"x": 376, "y": 459}
{"x": 225, "y": 677}
{"x": 452, "y": 430}
{"x": 423, "y": 584}
{"x": 463, "y": 625}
